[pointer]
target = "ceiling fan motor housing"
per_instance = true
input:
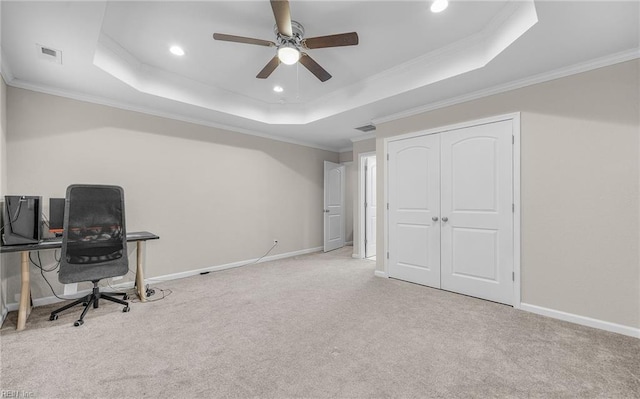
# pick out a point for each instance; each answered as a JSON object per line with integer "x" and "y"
{"x": 296, "y": 39}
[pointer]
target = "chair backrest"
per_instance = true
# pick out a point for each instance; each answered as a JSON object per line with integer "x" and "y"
{"x": 94, "y": 241}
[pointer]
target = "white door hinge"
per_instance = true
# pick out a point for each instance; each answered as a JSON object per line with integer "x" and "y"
{"x": 387, "y": 157}
{"x": 513, "y": 276}
{"x": 387, "y": 255}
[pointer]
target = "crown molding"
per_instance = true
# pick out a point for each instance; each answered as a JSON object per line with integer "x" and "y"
{"x": 5, "y": 70}
{"x": 365, "y": 137}
{"x": 345, "y": 149}
{"x": 602, "y": 62}
{"x": 149, "y": 111}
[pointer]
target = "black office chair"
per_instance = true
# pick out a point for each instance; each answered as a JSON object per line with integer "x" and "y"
{"x": 94, "y": 242}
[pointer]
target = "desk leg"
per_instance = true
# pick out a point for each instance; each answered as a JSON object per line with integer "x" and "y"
{"x": 142, "y": 292}
{"x": 25, "y": 292}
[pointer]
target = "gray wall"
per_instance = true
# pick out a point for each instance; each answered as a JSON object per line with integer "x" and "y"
{"x": 579, "y": 187}
{"x": 214, "y": 197}
{"x": 346, "y": 156}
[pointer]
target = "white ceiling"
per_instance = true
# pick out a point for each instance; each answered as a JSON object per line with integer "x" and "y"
{"x": 117, "y": 53}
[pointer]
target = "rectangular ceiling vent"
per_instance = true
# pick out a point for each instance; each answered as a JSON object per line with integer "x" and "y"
{"x": 366, "y": 128}
{"x": 49, "y": 54}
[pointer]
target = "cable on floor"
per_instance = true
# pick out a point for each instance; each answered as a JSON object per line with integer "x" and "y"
{"x": 275, "y": 244}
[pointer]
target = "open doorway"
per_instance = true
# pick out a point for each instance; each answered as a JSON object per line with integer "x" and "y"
{"x": 367, "y": 205}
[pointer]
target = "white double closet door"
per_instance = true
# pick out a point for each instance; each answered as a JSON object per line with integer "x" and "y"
{"x": 451, "y": 210}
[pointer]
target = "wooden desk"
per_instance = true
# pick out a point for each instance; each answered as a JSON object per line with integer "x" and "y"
{"x": 25, "y": 287}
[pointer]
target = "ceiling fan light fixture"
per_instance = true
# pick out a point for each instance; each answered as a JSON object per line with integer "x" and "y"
{"x": 439, "y": 5}
{"x": 288, "y": 54}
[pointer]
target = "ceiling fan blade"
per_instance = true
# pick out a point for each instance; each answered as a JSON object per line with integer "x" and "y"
{"x": 269, "y": 68}
{"x": 283, "y": 16}
{"x": 314, "y": 67}
{"x": 240, "y": 39}
{"x": 341, "y": 39}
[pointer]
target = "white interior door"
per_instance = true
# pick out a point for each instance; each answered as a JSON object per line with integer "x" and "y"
{"x": 334, "y": 180}
{"x": 477, "y": 236}
{"x": 370, "y": 207}
{"x": 414, "y": 209}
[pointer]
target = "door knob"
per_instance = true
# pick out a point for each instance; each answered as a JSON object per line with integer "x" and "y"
{"x": 326, "y": 211}
{"x": 445, "y": 219}
{"x": 435, "y": 218}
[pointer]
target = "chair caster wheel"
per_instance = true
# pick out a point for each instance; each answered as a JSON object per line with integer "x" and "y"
{"x": 126, "y": 309}
{"x": 124, "y": 298}
{"x": 53, "y": 317}
{"x": 78, "y": 323}
{"x": 85, "y": 304}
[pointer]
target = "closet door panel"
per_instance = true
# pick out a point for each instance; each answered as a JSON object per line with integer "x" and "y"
{"x": 476, "y": 195}
{"x": 414, "y": 202}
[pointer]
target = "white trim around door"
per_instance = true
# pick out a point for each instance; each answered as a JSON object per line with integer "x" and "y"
{"x": 515, "y": 119}
{"x": 362, "y": 158}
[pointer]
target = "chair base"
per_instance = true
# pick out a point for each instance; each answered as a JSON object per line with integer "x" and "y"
{"x": 91, "y": 300}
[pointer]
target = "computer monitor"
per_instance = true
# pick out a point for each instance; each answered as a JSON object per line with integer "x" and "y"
{"x": 22, "y": 222}
{"x": 56, "y": 215}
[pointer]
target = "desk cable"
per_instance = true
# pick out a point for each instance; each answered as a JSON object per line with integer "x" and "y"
{"x": 165, "y": 292}
{"x": 15, "y": 217}
{"x": 42, "y": 270}
{"x": 45, "y": 220}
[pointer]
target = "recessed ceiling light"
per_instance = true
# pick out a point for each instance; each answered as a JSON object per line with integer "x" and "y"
{"x": 176, "y": 50}
{"x": 278, "y": 89}
{"x": 439, "y": 5}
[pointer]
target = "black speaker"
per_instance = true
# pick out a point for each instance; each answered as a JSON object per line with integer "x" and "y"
{"x": 22, "y": 219}
{"x": 56, "y": 215}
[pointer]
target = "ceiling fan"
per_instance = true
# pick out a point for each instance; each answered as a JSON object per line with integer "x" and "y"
{"x": 291, "y": 43}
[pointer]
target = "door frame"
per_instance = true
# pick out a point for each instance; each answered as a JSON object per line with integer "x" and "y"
{"x": 361, "y": 199}
{"x": 515, "y": 118}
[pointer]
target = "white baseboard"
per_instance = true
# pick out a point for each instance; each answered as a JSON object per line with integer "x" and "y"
{"x": 348, "y": 243}
{"x": 11, "y": 307}
{"x": 3, "y": 316}
{"x": 582, "y": 320}
{"x": 226, "y": 266}
{"x": 356, "y": 256}
{"x": 379, "y": 273}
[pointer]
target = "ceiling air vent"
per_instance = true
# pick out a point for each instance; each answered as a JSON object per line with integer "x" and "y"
{"x": 49, "y": 54}
{"x": 366, "y": 128}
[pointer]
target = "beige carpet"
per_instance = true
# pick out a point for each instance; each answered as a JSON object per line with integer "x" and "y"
{"x": 314, "y": 326}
